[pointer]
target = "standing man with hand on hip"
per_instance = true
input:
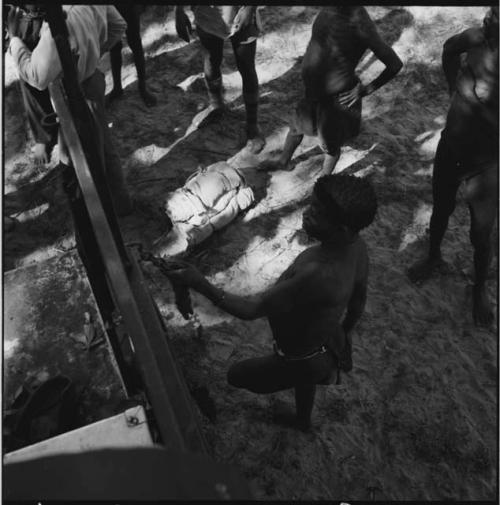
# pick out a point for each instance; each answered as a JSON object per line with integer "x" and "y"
{"x": 468, "y": 153}
{"x": 331, "y": 108}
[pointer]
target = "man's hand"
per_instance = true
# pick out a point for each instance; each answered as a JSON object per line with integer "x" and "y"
{"x": 182, "y": 24}
{"x": 184, "y": 273}
{"x": 349, "y": 98}
{"x": 40, "y": 155}
{"x": 13, "y": 19}
{"x": 243, "y": 18}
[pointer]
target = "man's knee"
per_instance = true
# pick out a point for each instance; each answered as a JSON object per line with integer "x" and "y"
{"x": 330, "y": 148}
{"x": 236, "y": 376}
{"x": 245, "y": 375}
{"x": 444, "y": 205}
{"x": 480, "y": 238}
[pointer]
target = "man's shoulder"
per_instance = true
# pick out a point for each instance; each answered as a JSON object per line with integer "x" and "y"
{"x": 471, "y": 37}
{"x": 307, "y": 262}
{"x": 475, "y": 35}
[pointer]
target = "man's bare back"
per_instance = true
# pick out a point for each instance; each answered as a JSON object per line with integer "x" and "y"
{"x": 306, "y": 304}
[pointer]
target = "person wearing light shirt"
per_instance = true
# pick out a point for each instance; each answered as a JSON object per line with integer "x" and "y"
{"x": 93, "y": 30}
{"x": 241, "y": 25}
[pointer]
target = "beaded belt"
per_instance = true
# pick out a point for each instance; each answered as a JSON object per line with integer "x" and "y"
{"x": 280, "y": 353}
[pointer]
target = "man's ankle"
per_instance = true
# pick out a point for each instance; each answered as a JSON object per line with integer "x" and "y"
{"x": 252, "y": 131}
{"x": 434, "y": 256}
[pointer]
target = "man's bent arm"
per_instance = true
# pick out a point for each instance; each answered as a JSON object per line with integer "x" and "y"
{"x": 381, "y": 50}
{"x": 116, "y": 27}
{"x": 355, "y": 307}
{"x": 40, "y": 67}
{"x": 453, "y": 48}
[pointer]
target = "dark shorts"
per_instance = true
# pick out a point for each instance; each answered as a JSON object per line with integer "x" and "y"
{"x": 449, "y": 165}
{"x": 273, "y": 373}
{"x": 327, "y": 119}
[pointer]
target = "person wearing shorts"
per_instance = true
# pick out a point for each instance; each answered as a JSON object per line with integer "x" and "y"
{"x": 306, "y": 306}
{"x": 331, "y": 108}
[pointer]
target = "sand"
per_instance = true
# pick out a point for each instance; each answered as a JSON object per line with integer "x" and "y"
{"x": 416, "y": 419}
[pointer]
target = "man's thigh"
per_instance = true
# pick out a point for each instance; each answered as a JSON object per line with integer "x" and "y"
{"x": 337, "y": 124}
{"x": 481, "y": 194}
{"x": 212, "y": 44}
{"x": 262, "y": 375}
{"x": 273, "y": 373}
{"x": 484, "y": 185}
{"x": 304, "y": 119}
{"x": 445, "y": 180}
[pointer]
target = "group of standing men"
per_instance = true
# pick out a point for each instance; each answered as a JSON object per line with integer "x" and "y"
{"x": 316, "y": 302}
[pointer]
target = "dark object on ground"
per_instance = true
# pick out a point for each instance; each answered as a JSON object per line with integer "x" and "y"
{"x": 41, "y": 413}
{"x": 123, "y": 474}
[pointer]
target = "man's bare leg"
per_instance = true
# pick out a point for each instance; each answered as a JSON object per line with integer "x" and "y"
{"x": 135, "y": 44}
{"x": 330, "y": 162}
{"x": 304, "y": 402}
{"x": 115, "y": 55}
{"x": 292, "y": 141}
{"x": 482, "y": 198}
{"x": 444, "y": 191}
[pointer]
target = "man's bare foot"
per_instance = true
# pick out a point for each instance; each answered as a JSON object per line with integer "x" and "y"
{"x": 255, "y": 144}
{"x": 273, "y": 165}
{"x": 283, "y": 415}
{"x": 207, "y": 115}
{"x": 148, "y": 98}
{"x": 40, "y": 155}
{"x": 482, "y": 311}
{"x": 113, "y": 95}
{"x": 424, "y": 269}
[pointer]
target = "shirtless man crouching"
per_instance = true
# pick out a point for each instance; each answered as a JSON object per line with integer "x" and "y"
{"x": 331, "y": 108}
{"x": 468, "y": 153}
{"x": 305, "y": 306}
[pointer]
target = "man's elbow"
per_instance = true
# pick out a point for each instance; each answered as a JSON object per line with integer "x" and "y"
{"x": 396, "y": 65}
{"x": 450, "y": 49}
{"x": 40, "y": 85}
{"x": 36, "y": 82}
{"x": 36, "y": 78}
{"x": 253, "y": 311}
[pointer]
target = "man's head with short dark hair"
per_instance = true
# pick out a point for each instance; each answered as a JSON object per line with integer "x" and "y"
{"x": 349, "y": 201}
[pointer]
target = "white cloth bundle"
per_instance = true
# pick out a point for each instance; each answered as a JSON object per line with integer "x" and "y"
{"x": 211, "y": 198}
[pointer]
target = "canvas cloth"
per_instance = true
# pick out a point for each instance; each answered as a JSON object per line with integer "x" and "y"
{"x": 210, "y": 199}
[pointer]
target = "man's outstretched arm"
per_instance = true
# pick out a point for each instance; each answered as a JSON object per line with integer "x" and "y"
{"x": 281, "y": 297}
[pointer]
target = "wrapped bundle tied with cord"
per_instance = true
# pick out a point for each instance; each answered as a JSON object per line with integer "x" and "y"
{"x": 210, "y": 199}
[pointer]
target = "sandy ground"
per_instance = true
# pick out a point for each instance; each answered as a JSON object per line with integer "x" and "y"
{"x": 416, "y": 419}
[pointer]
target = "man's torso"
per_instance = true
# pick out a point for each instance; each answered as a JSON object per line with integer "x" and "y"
{"x": 314, "y": 318}
{"x": 335, "y": 48}
{"x": 472, "y": 122}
